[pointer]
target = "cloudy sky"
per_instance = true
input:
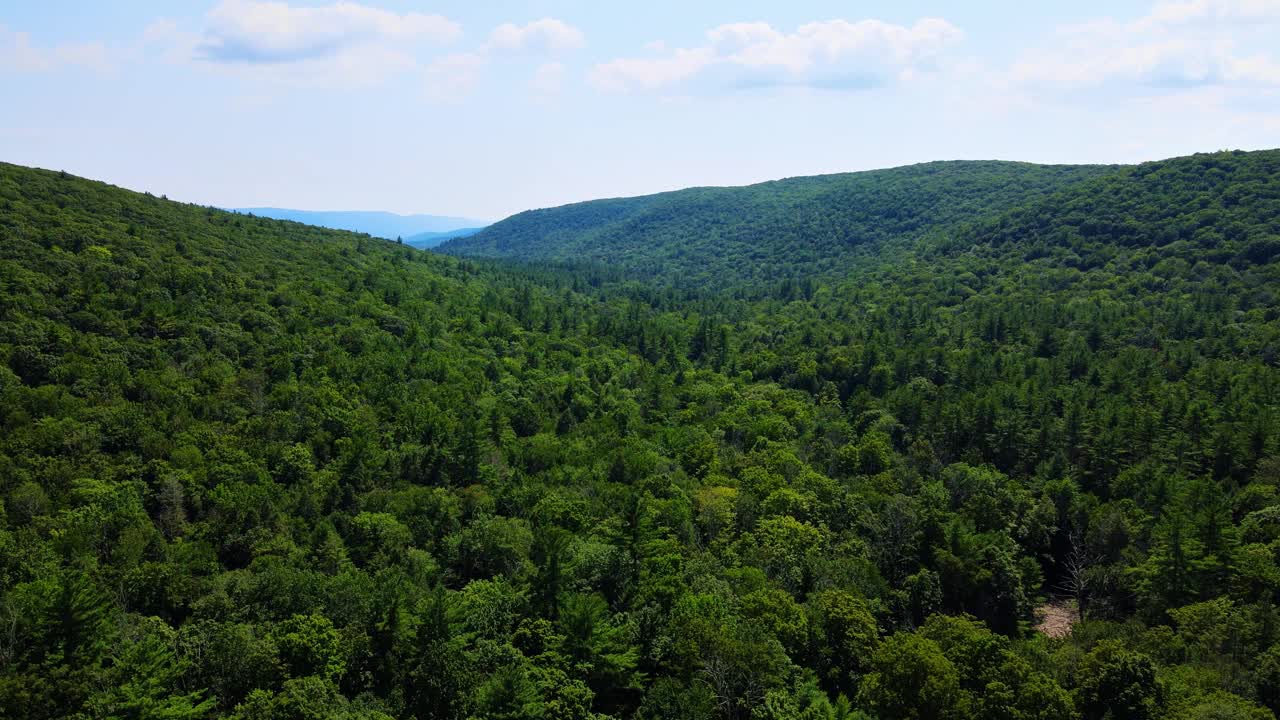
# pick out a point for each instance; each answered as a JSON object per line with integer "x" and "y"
{"x": 487, "y": 108}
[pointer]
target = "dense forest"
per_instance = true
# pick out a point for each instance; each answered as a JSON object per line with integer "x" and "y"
{"x": 796, "y": 228}
{"x": 259, "y": 470}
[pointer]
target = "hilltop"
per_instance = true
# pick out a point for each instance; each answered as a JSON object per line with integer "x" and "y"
{"x": 799, "y": 227}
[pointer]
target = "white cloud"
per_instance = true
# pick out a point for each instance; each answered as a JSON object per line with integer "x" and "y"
{"x": 1220, "y": 11}
{"x": 545, "y": 35}
{"x": 250, "y": 31}
{"x": 548, "y": 79}
{"x": 452, "y": 77}
{"x": 173, "y": 44}
{"x": 341, "y": 44}
{"x": 1177, "y": 45}
{"x": 652, "y": 73}
{"x": 832, "y": 54}
{"x": 19, "y": 55}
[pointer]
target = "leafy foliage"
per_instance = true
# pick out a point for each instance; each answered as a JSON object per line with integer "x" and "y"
{"x": 786, "y": 229}
{"x": 254, "y": 469}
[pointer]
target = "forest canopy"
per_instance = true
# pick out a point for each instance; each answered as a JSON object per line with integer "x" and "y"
{"x": 730, "y": 237}
{"x": 255, "y": 469}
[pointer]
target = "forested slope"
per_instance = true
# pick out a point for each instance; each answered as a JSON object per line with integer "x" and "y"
{"x": 729, "y": 236}
{"x": 258, "y": 470}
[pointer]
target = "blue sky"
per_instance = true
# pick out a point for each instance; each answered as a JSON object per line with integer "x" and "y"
{"x": 488, "y": 108}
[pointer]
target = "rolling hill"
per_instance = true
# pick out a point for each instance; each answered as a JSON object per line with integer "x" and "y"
{"x": 260, "y": 470}
{"x": 427, "y": 240}
{"x": 1214, "y": 207}
{"x": 762, "y": 233}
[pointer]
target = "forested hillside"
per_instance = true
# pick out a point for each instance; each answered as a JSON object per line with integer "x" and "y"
{"x": 258, "y": 470}
{"x": 731, "y": 236}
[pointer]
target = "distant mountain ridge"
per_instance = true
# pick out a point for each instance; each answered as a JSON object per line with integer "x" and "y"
{"x": 376, "y": 223}
{"x": 426, "y": 240}
{"x": 768, "y": 232}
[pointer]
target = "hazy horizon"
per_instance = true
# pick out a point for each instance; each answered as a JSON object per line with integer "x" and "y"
{"x": 483, "y": 111}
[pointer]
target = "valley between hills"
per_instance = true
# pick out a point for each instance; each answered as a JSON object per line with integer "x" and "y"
{"x": 820, "y": 448}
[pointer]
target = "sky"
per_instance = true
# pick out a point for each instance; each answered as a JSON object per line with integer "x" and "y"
{"x": 484, "y": 109}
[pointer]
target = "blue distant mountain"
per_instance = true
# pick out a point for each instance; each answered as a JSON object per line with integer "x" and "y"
{"x": 432, "y": 239}
{"x": 378, "y": 224}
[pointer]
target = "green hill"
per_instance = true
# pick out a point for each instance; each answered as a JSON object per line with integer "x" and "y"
{"x": 259, "y": 470}
{"x": 1120, "y": 289}
{"x": 1215, "y": 208}
{"x": 196, "y": 404}
{"x": 426, "y": 240}
{"x": 762, "y": 233}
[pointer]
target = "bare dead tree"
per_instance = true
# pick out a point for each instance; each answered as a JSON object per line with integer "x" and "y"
{"x": 1078, "y": 571}
{"x": 736, "y": 687}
